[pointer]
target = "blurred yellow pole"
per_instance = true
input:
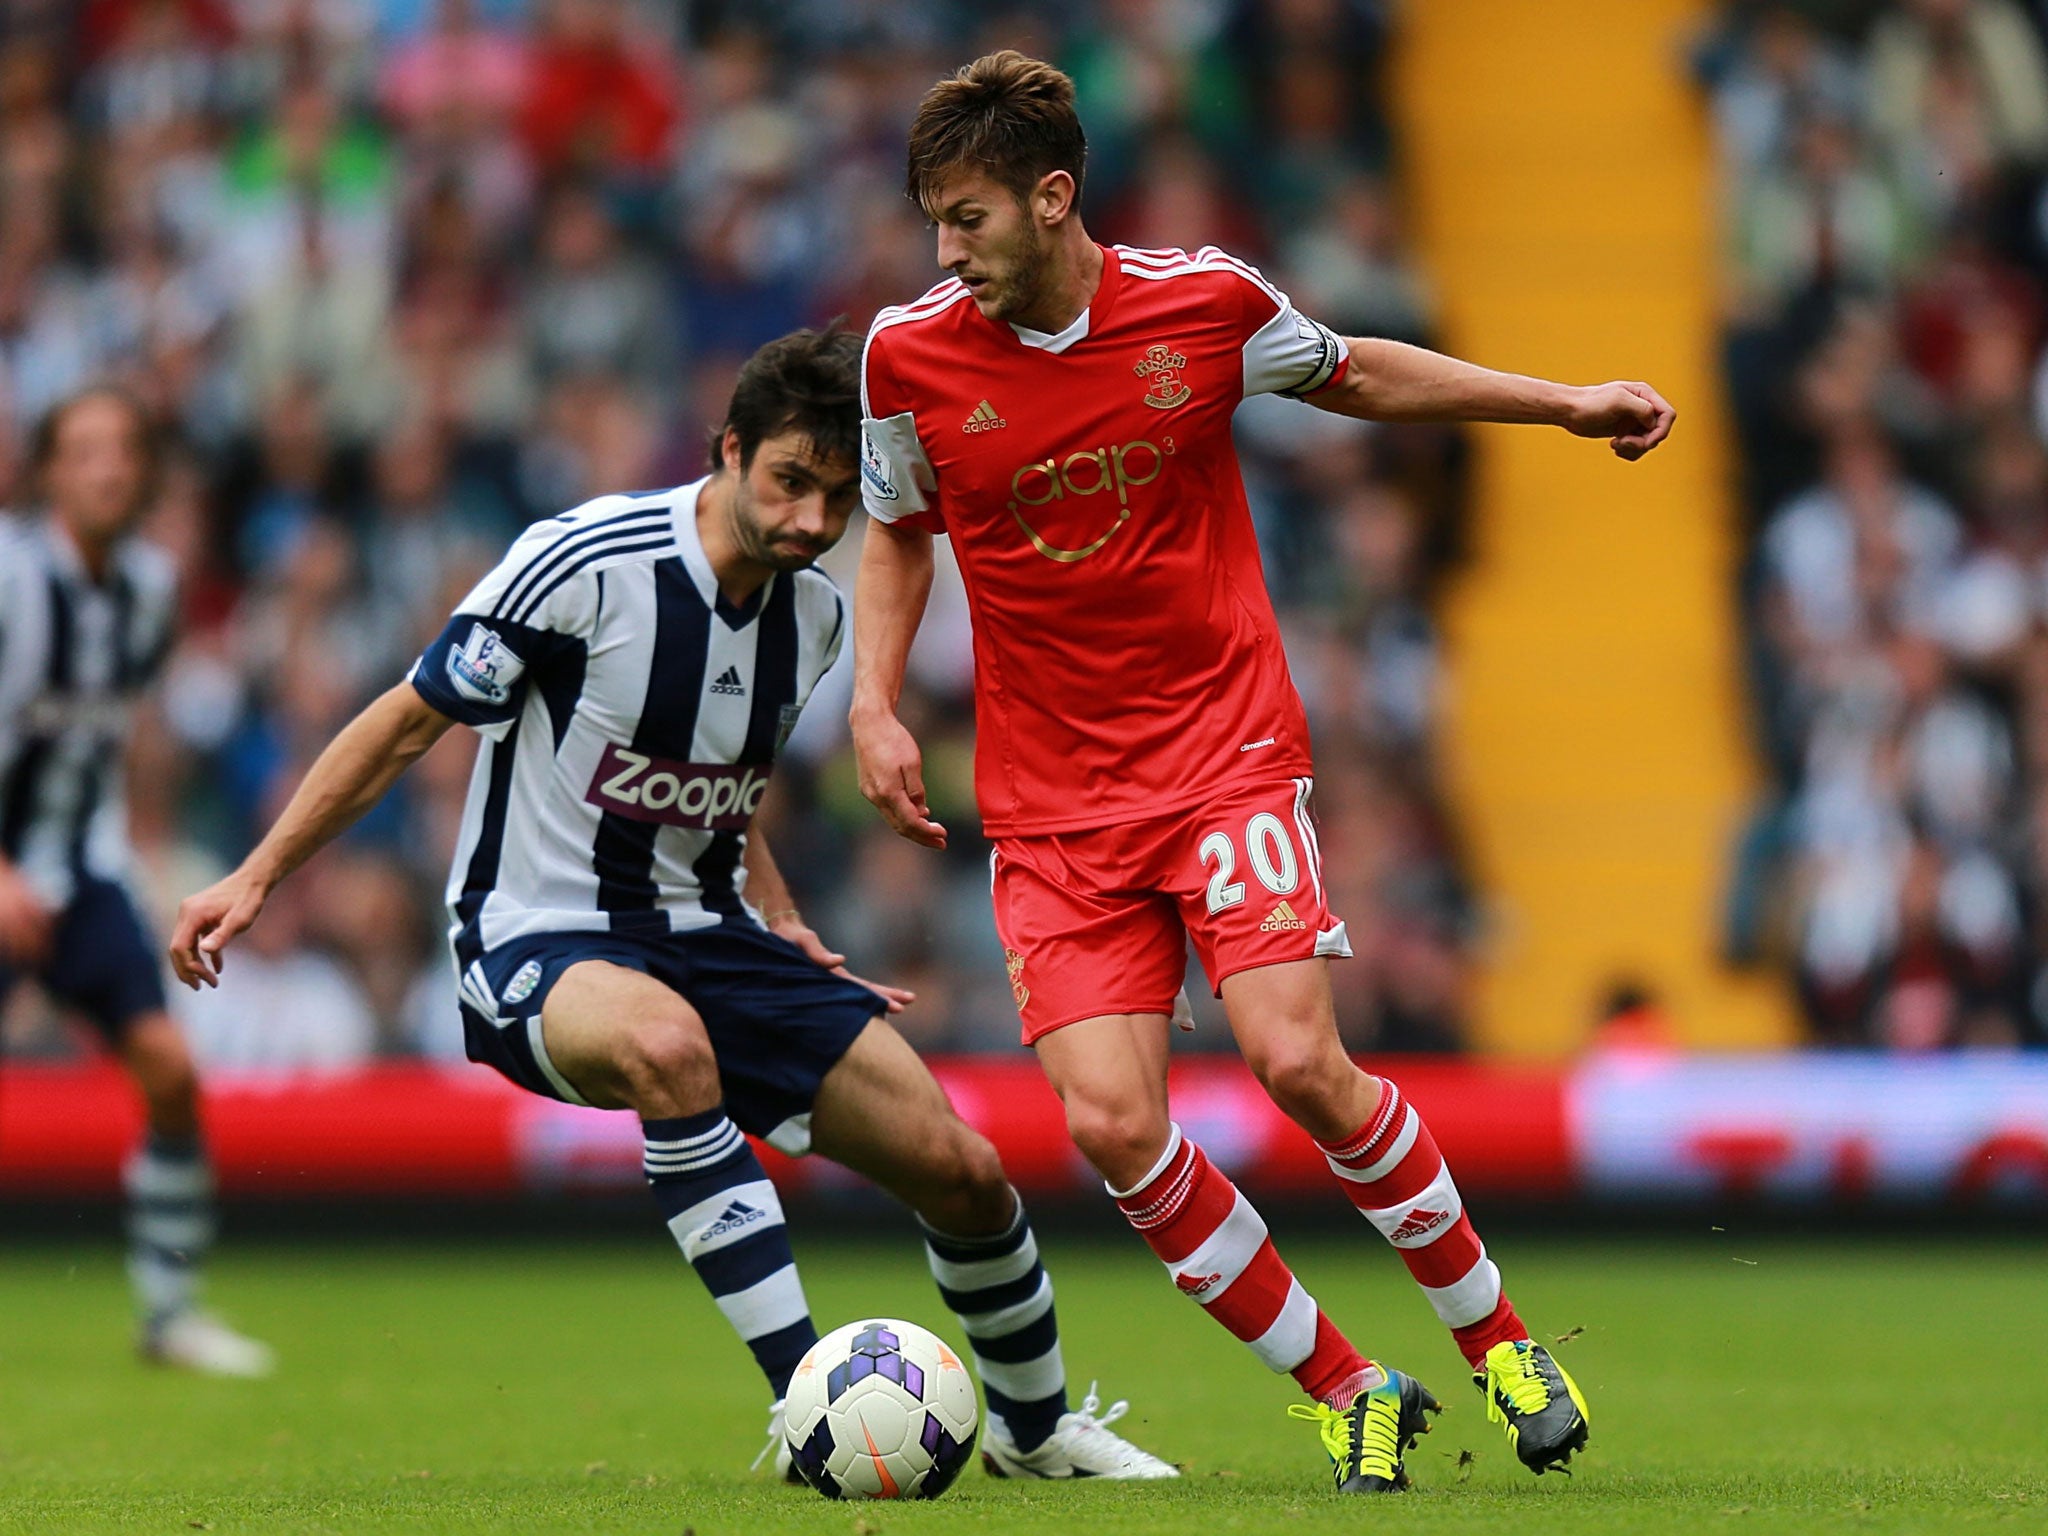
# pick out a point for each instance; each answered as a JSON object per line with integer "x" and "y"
{"x": 1560, "y": 176}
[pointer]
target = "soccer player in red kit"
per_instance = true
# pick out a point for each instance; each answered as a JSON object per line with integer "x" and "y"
{"x": 1062, "y": 411}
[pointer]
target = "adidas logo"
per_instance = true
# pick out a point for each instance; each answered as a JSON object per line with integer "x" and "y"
{"x": 735, "y": 1216}
{"x": 1417, "y": 1223}
{"x": 729, "y": 682}
{"x": 1281, "y": 919}
{"x": 1195, "y": 1285}
{"x": 984, "y": 419}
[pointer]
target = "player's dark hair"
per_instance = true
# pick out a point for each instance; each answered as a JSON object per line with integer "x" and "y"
{"x": 1006, "y": 113}
{"x": 149, "y": 433}
{"x": 808, "y": 382}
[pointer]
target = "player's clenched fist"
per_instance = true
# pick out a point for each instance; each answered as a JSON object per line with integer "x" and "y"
{"x": 892, "y": 776}
{"x": 1633, "y": 416}
{"x": 207, "y": 921}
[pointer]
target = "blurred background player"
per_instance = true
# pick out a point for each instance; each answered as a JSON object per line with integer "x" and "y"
{"x": 623, "y": 937}
{"x": 87, "y": 613}
{"x": 1063, "y": 410}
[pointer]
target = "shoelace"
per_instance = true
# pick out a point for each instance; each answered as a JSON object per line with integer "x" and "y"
{"x": 1382, "y": 1430}
{"x": 774, "y": 1438}
{"x": 1524, "y": 1387}
{"x": 1333, "y": 1424}
{"x": 1090, "y": 1415}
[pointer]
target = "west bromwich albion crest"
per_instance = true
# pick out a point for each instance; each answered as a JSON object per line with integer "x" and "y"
{"x": 522, "y": 984}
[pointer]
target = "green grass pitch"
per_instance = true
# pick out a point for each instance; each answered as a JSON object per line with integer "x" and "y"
{"x": 508, "y": 1388}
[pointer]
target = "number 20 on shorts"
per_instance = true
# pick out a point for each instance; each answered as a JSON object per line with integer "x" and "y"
{"x": 1270, "y": 852}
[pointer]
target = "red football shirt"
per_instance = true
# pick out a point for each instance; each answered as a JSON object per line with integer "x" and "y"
{"x": 1127, "y": 661}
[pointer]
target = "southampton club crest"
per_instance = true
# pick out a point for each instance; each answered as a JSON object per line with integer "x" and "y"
{"x": 1014, "y": 964}
{"x": 1160, "y": 368}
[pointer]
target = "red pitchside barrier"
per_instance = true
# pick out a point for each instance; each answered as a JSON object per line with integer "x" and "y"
{"x": 1794, "y": 1127}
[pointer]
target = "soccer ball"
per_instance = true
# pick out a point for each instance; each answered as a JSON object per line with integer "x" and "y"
{"x": 881, "y": 1410}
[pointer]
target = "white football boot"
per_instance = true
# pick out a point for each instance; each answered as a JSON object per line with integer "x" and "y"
{"x": 778, "y": 1447}
{"x": 199, "y": 1341}
{"x": 1082, "y": 1446}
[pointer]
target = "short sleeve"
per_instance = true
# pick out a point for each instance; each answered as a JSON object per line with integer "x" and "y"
{"x": 1285, "y": 352}
{"x": 152, "y": 579}
{"x": 528, "y": 610}
{"x": 19, "y": 659}
{"x": 897, "y": 482}
{"x": 837, "y": 642}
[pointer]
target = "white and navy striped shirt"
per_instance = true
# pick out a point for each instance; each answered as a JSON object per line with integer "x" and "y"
{"x": 630, "y": 717}
{"x": 74, "y": 655}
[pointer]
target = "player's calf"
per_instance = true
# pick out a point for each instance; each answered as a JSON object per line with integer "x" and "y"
{"x": 1395, "y": 1175}
{"x": 1215, "y": 1247}
{"x": 882, "y": 1113}
{"x": 622, "y": 1039}
{"x": 982, "y": 1253}
{"x": 726, "y": 1218}
{"x": 1393, "y": 1172}
{"x": 171, "y": 1219}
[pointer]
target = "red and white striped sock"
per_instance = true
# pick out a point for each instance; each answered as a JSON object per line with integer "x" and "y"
{"x": 1394, "y": 1173}
{"x": 1215, "y": 1246}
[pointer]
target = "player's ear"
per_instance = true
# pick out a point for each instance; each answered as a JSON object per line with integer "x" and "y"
{"x": 1053, "y": 198}
{"x": 729, "y": 450}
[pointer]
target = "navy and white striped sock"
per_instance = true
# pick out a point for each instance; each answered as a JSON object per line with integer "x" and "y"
{"x": 1003, "y": 1298}
{"x": 170, "y": 1223}
{"x": 726, "y": 1218}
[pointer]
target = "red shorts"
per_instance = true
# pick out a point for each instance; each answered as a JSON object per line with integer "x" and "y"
{"x": 1098, "y": 922}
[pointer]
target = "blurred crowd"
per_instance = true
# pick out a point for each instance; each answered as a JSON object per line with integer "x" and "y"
{"x": 404, "y": 275}
{"x": 1883, "y": 184}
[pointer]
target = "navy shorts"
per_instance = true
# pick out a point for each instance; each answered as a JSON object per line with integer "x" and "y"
{"x": 100, "y": 962}
{"x": 778, "y": 1021}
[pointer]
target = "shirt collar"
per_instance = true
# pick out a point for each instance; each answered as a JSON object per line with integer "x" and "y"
{"x": 1089, "y": 318}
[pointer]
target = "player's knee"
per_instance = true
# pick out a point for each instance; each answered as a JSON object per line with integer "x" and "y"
{"x": 162, "y": 1066}
{"x": 1302, "y": 1079}
{"x": 1122, "y": 1141}
{"x": 979, "y": 1177}
{"x": 667, "y": 1065}
{"x": 968, "y": 1190}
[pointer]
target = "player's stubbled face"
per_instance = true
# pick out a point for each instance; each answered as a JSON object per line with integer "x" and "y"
{"x": 790, "y": 506}
{"x": 97, "y": 467}
{"x": 988, "y": 239}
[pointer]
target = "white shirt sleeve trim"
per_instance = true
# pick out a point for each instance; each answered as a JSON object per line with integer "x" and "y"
{"x": 896, "y": 479}
{"x": 1291, "y": 355}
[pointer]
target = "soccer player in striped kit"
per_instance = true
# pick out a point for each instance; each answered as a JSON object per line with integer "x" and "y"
{"x": 622, "y": 936}
{"x": 1062, "y": 410}
{"x": 87, "y": 613}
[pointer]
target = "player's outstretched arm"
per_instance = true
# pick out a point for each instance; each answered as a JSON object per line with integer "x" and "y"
{"x": 1392, "y": 381}
{"x": 345, "y": 780}
{"x": 895, "y": 581}
{"x": 770, "y": 895}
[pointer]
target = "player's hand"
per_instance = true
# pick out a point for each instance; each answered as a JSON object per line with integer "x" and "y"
{"x": 27, "y": 927}
{"x": 207, "y": 921}
{"x": 892, "y": 777}
{"x": 800, "y": 933}
{"x": 1633, "y": 417}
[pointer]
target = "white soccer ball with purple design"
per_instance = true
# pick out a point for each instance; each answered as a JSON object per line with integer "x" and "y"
{"x": 881, "y": 1409}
